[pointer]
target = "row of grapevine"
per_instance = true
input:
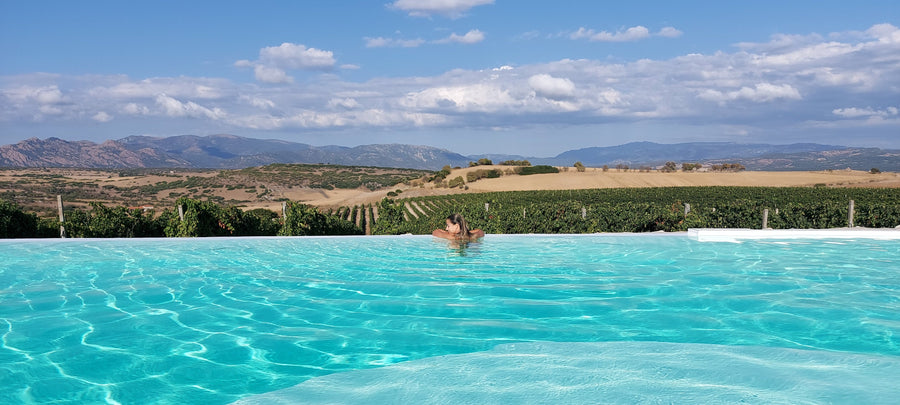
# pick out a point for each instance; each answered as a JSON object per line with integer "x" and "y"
{"x": 647, "y": 210}
{"x": 196, "y": 218}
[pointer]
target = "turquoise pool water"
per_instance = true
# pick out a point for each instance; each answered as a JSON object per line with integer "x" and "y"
{"x": 217, "y": 320}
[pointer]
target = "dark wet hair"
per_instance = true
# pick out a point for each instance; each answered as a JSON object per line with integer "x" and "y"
{"x": 457, "y": 219}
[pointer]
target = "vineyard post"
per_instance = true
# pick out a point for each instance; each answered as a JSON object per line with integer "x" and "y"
{"x": 583, "y": 213}
{"x": 181, "y": 212}
{"x": 850, "y": 215}
{"x": 687, "y": 209}
{"x": 765, "y": 224}
{"x": 523, "y": 213}
{"x": 486, "y": 206}
{"x": 284, "y": 210}
{"x": 62, "y": 218}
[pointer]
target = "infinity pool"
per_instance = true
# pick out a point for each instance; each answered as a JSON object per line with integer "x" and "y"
{"x": 218, "y": 320}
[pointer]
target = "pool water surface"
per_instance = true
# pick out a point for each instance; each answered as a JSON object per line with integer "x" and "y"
{"x": 216, "y": 320}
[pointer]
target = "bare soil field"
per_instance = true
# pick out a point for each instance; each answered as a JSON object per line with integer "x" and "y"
{"x": 36, "y": 189}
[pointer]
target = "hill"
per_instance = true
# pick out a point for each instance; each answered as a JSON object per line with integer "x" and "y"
{"x": 234, "y": 152}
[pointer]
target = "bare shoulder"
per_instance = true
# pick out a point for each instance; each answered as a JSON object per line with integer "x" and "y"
{"x": 440, "y": 233}
{"x": 476, "y": 233}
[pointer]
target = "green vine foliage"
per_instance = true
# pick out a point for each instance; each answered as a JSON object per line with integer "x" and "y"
{"x": 647, "y": 210}
{"x": 390, "y": 218}
{"x": 111, "y": 222}
{"x": 304, "y": 220}
{"x": 16, "y": 224}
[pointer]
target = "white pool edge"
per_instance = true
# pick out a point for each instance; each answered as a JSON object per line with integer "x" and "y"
{"x": 728, "y": 235}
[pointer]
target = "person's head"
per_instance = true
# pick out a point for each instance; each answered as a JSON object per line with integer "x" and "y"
{"x": 457, "y": 225}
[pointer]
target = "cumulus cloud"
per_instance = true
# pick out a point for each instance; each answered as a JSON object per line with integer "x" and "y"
{"x": 382, "y": 42}
{"x": 102, "y": 116}
{"x": 464, "y": 98}
{"x": 450, "y": 8}
{"x": 635, "y": 33}
{"x": 175, "y": 108}
{"x": 274, "y": 61}
{"x": 551, "y": 87}
{"x": 41, "y": 94}
{"x": 271, "y": 74}
{"x": 471, "y": 37}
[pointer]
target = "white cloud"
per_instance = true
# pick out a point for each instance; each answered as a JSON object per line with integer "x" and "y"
{"x": 175, "y": 108}
{"x": 551, "y": 87}
{"x": 760, "y": 93}
{"x": 854, "y": 112}
{"x": 296, "y": 56}
{"x": 271, "y": 74}
{"x": 41, "y": 95}
{"x": 471, "y": 37}
{"x": 450, "y": 8}
{"x": 464, "y": 98}
{"x": 346, "y": 103}
{"x": 884, "y": 33}
{"x": 150, "y": 88}
{"x": 669, "y": 32}
{"x": 381, "y": 42}
{"x": 275, "y": 61}
{"x": 135, "y": 109}
{"x": 258, "y": 102}
{"x": 635, "y": 33}
{"x": 102, "y": 116}
{"x": 631, "y": 34}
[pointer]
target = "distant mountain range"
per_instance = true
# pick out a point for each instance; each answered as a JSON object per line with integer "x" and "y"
{"x": 231, "y": 152}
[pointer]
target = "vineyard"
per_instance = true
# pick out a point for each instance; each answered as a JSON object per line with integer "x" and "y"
{"x": 644, "y": 210}
{"x": 568, "y": 211}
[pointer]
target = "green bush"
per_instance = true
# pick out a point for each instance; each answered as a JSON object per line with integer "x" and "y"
{"x": 14, "y": 223}
{"x": 304, "y": 220}
{"x": 539, "y": 169}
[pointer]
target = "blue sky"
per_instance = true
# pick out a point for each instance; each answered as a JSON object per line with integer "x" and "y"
{"x": 473, "y": 76}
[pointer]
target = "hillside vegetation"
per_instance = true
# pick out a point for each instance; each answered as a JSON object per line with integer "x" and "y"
{"x": 36, "y": 189}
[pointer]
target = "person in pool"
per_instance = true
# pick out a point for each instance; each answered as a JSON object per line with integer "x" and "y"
{"x": 458, "y": 229}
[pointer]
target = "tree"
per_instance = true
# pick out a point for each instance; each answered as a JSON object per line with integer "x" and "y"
{"x": 669, "y": 167}
{"x": 579, "y": 167}
{"x": 485, "y": 162}
{"x": 874, "y": 170}
{"x": 605, "y": 168}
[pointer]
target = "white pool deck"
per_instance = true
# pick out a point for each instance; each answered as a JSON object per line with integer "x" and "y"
{"x": 726, "y": 235}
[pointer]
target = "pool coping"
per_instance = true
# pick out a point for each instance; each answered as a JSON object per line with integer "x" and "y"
{"x": 720, "y": 234}
{"x": 699, "y": 234}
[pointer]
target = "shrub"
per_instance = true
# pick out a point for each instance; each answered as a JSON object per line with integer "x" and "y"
{"x": 539, "y": 169}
